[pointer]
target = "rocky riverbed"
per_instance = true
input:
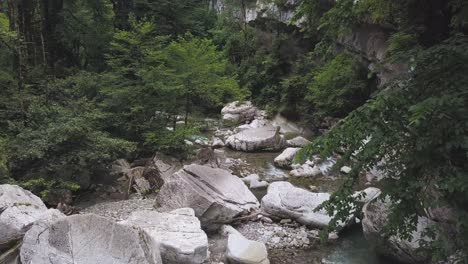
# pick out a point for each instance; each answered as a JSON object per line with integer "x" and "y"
{"x": 238, "y": 202}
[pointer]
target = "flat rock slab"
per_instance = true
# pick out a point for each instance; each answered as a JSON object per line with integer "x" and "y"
{"x": 216, "y": 196}
{"x": 178, "y": 232}
{"x": 285, "y": 201}
{"x": 267, "y": 137}
{"x": 87, "y": 239}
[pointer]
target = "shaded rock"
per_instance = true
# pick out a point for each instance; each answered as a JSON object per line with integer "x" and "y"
{"x": 178, "y": 233}
{"x": 206, "y": 156}
{"x": 240, "y": 250}
{"x": 287, "y": 126}
{"x": 239, "y": 112}
{"x": 266, "y": 137}
{"x": 285, "y": 201}
{"x": 216, "y": 195}
{"x": 370, "y": 41}
{"x": 142, "y": 186}
{"x": 87, "y": 239}
{"x": 165, "y": 166}
{"x": 297, "y": 142}
{"x": 285, "y": 159}
{"x": 375, "y": 218}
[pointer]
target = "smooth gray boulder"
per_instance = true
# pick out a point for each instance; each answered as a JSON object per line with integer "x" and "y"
{"x": 298, "y": 142}
{"x": 285, "y": 159}
{"x": 87, "y": 239}
{"x": 18, "y": 209}
{"x": 239, "y": 112}
{"x": 178, "y": 232}
{"x": 285, "y": 201}
{"x": 216, "y": 196}
{"x": 267, "y": 137}
{"x": 375, "y": 218}
{"x": 240, "y": 250}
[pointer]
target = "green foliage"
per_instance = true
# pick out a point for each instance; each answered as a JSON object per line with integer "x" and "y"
{"x": 4, "y": 173}
{"x": 418, "y": 126}
{"x": 63, "y": 138}
{"x": 177, "y": 17}
{"x": 86, "y": 31}
{"x": 338, "y": 87}
{"x": 192, "y": 74}
{"x": 46, "y": 188}
{"x": 400, "y": 46}
{"x": 170, "y": 142}
{"x": 340, "y": 19}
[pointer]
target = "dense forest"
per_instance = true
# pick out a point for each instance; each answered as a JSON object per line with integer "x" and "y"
{"x": 86, "y": 82}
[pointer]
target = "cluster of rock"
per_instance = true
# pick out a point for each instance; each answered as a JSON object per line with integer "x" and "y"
{"x": 280, "y": 236}
{"x": 313, "y": 168}
{"x": 256, "y": 132}
{"x": 241, "y": 112}
{"x": 146, "y": 237}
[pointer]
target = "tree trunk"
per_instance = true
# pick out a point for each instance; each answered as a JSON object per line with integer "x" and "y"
{"x": 187, "y": 108}
{"x": 122, "y": 9}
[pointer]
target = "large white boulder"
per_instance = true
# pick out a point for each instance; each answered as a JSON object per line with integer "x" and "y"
{"x": 285, "y": 201}
{"x": 214, "y": 194}
{"x": 178, "y": 232}
{"x": 267, "y": 137}
{"x": 285, "y": 159}
{"x": 87, "y": 239}
{"x": 376, "y": 217}
{"x": 298, "y": 142}
{"x": 239, "y": 112}
{"x": 18, "y": 209}
{"x": 240, "y": 250}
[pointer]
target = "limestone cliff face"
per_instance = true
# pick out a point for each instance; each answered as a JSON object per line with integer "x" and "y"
{"x": 262, "y": 9}
{"x": 370, "y": 43}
